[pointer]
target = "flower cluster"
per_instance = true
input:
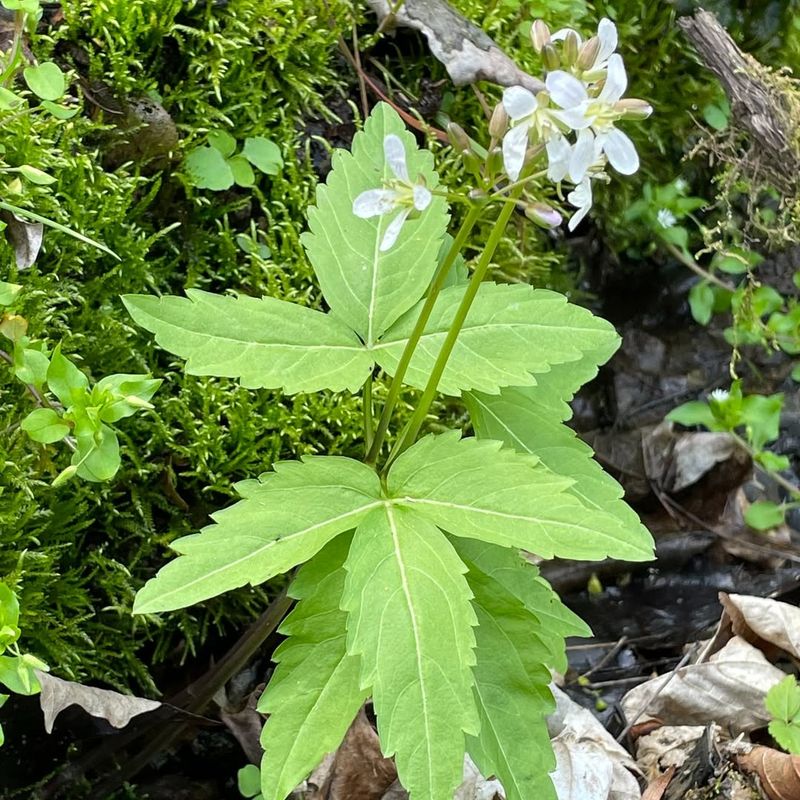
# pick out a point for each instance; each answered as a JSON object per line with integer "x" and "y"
{"x": 576, "y": 115}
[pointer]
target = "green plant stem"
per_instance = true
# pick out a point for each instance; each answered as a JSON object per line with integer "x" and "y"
{"x": 697, "y": 269}
{"x": 368, "y": 427}
{"x": 421, "y": 411}
{"x": 10, "y": 67}
{"x": 419, "y": 327}
{"x": 23, "y": 212}
{"x": 793, "y": 490}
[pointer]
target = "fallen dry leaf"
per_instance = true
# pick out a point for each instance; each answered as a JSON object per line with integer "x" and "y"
{"x": 665, "y": 747}
{"x": 117, "y": 709}
{"x": 25, "y": 237}
{"x": 358, "y": 769}
{"x": 760, "y": 618}
{"x": 727, "y": 689}
{"x": 590, "y": 764}
{"x": 778, "y": 772}
{"x": 655, "y": 789}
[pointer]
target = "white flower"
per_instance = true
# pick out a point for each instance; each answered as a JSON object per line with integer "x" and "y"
{"x": 581, "y": 198}
{"x": 526, "y": 111}
{"x": 720, "y": 395}
{"x": 666, "y": 219}
{"x": 596, "y": 116}
{"x": 398, "y": 193}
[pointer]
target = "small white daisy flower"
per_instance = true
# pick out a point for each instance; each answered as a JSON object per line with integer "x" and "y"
{"x": 665, "y": 218}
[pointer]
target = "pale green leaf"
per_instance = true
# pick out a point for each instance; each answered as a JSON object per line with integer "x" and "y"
{"x": 46, "y": 80}
{"x": 223, "y": 142}
{"x": 208, "y": 169}
{"x": 284, "y": 518}
{"x": 65, "y": 380}
{"x": 511, "y": 691}
{"x": 266, "y": 343}
{"x": 363, "y": 286}
{"x": 508, "y": 571}
{"x": 263, "y": 154}
{"x": 474, "y": 488}
{"x": 510, "y": 332}
{"x": 97, "y": 458}
{"x": 315, "y": 691}
{"x": 411, "y": 622}
{"x": 44, "y": 425}
{"x": 528, "y": 419}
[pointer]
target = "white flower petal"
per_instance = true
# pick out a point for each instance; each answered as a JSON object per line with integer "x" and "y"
{"x": 518, "y": 102}
{"x": 395, "y": 154}
{"x": 515, "y": 144}
{"x": 374, "y": 202}
{"x": 581, "y": 198}
{"x": 621, "y": 152}
{"x": 582, "y": 156}
{"x": 422, "y": 197}
{"x": 607, "y": 34}
{"x": 616, "y": 80}
{"x": 393, "y": 231}
{"x": 565, "y": 89}
{"x": 559, "y": 152}
{"x": 575, "y": 118}
{"x": 562, "y": 33}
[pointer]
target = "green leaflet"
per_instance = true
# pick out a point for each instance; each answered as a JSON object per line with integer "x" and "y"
{"x": 512, "y": 574}
{"x": 364, "y": 287}
{"x": 473, "y": 488}
{"x": 510, "y": 332}
{"x": 266, "y": 343}
{"x": 315, "y": 691}
{"x": 527, "y": 419}
{"x": 283, "y": 519}
{"x": 511, "y": 688}
{"x": 411, "y": 622}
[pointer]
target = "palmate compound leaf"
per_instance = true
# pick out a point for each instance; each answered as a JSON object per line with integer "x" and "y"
{"x": 510, "y": 332}
{"x": 364, "y": 286}
{"x": 473, "y": 488}
{"x": 411, "y": 621}
{"x": 513, "y": 656}
{"x": 284, "y": 518}
{"x": 315, "y": 692}
{"x": 528, "y": 419}
{"x": 266, "y": 343}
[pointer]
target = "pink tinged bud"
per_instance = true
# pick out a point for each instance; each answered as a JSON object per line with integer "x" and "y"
{"x": 588, "y": 53}
{"x": 540, "y": 35}
{"x": 570, "y": 51}
{"x": 457, "y": 136}
{"x": 550, "y": 58}
{"x": 543, "y": 215}
{"x": 632, "y": 108}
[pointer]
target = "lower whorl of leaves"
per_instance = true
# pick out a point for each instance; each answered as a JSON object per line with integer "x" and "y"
{"x": 316, "y": 691}
{"x": 443, "y": 636}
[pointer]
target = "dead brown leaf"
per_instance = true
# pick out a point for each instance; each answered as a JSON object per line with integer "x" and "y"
{"x": 655, "y": 790}
{"x": 358, "y": 769}
{"x": 761, "y": 620}
{"x": 117, "y": 709}
{"x": 25, "y": 237}
{"x": 778, "y": 772}
{"x": 727, "y": 689}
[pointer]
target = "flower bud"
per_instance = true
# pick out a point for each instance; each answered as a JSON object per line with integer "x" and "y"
{"x": 543, "y": 215}
{"x": 632, "y": 108}
{"x": 494, "y": 161}
{"x": 498, "y": 124}
{"x": 550, "y": 58}
{"x": 65, "y": 475}
{"x": 540, "y": 35}
{"x": 457, "y": 136}
{"x": 472, "y": 163}
{"x": 570, "y": 51}
{"x": 587, "y": 54}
